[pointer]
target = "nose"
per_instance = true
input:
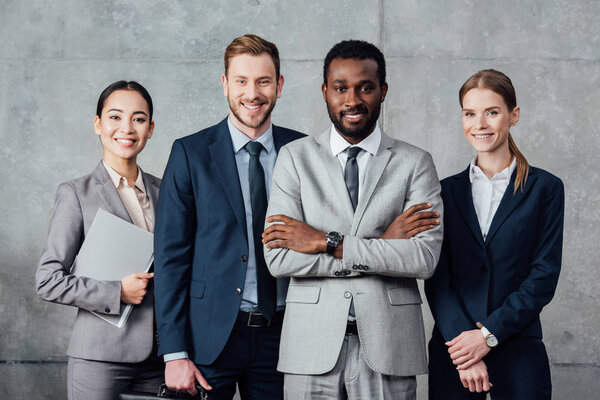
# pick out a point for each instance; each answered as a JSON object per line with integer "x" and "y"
{"x": 126, "y": 126}
{"x": 481, "y": 121}
{"x": 252, "y": 91}
{"x": 352, "y": 98}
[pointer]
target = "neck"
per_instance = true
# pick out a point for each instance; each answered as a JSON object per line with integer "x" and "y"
{"x": 491, "y": 163}
{"x": 252, "y": 133}
{"x": 355, "y": 139}
{"x": 127, "y": 168}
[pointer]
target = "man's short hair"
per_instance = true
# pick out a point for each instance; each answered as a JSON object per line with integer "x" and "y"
{"x": 358, "y": 49}
{"x": 253, "y": 45}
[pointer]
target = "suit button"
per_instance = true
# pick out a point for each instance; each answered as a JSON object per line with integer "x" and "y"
{"x": 347, "y": 272}
{"x": 244, "y": 258}
{"x": 107, "y": 310}
{"x": 365, "y": 267}
{"x": 238, "y": 291}
{"x": 337, "y": 273}
{"x": 484, "y": 268}
{"x": 347, "y": 295}
{"x": 355, "y": 266}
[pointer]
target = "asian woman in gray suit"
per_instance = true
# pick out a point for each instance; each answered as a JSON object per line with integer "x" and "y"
{"x": 105, "y": 360}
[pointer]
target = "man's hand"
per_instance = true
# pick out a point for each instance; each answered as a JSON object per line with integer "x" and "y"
{"x": 476, "y": 378}
{"x": 467, "y": 349}
{"x": 133, "y": 287}
{"x": 181, "y": 375}
{"x": 295, "y": 235}
{"x": 412, "y": 222}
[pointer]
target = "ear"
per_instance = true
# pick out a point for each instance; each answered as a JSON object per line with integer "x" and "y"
{"x": 324, "y": 90}
{"x": 514, "y": 116}
{"x": 224, "y": 83}
{"x": 384, "y": 89}
{"x": 97, "y": 125}
{"x": 279, "y": 86}
{"x": 151, "y": 130}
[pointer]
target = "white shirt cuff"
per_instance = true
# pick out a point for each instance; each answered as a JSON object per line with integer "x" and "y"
{"x": 175, "y": 356}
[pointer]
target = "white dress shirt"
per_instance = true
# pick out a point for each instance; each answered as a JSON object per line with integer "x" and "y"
{"x": 487, "y": 193}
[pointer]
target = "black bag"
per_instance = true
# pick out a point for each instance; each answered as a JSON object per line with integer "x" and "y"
{"x": 165, "y": 393}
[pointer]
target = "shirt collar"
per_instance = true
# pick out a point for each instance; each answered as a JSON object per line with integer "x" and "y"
{"x": 339, "y": 144}
{"x": 116, "y": 178}
{"x": 240, "y": 140}
{"x": 476, "y": 172}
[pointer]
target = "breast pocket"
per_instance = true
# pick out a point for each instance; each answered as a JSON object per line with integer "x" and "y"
{"x": 303, "y": 294}
{"x": 197, "y": 289}
{"x": 402, "y": 296}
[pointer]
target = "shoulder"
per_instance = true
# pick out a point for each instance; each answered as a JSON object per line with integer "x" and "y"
{"x": 204, "y": 136}
{"x": 545, "y": 181}
{"x": 405, "y": 151}
{"x": 151, "y": 178}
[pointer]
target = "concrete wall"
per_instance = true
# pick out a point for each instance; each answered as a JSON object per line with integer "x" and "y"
{"x": 56, "y": 57}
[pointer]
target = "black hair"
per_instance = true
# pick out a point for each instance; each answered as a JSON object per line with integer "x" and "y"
{"x": 123, "y": 85}
{"x": 358, "y": 49}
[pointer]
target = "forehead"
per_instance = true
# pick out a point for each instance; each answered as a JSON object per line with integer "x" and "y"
{"x": 482, "y": 98}
{"x": 251, "y": 65}
{"x": 352, "y": 69}
{"x": 124, "y": 99}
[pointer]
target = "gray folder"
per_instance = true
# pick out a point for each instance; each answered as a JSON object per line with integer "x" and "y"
{"x": 114, "y": 248}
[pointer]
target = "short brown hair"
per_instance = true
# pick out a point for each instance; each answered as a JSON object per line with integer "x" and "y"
{"x": 500, "y": 84}
{"x": 254, "y": 45}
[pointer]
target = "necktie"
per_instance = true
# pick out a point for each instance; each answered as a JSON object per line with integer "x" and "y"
{"x": 266, "y": 284}
{"x": 351, "y": 174}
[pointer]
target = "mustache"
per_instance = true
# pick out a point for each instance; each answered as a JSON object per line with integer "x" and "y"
{"x": 355, "y": 110}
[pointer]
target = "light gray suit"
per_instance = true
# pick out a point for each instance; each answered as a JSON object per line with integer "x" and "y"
{"x": 308, "y": 184}
{"x": 76, "y": 205}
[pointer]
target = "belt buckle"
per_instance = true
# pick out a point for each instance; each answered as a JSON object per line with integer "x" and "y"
{"x": 256, "y": 325}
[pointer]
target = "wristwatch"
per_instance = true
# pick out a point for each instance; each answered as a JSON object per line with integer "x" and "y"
{"x": 333, "y": 239}
{"x": 489, "y": 337}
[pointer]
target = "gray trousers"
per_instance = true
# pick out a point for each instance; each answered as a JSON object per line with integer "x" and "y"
{"x": 101, "y": 380}
{"x": 351, "y": 378}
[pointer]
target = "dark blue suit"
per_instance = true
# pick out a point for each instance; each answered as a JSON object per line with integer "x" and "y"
{"x": 201, "y": 244}
{"x": 502, "y": 282}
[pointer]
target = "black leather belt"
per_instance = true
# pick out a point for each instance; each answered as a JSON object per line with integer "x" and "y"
{"x": 351, "y": 328}
{"x": 257, "y": 320}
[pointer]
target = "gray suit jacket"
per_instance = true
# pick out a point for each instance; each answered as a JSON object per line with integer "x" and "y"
{"x": 308, "y": 184}
{"x": 76, "y": 204}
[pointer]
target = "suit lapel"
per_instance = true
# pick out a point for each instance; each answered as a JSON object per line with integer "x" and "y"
{"x": 463, "y": 198}
{"x": 221, "y": 151}
{"x": 509, "y": 202}
{"x": 108, "y": 193}
{"x": 335, "y": 174}
{"x": 152, "y": 189}
{"x": 372, "y": 177}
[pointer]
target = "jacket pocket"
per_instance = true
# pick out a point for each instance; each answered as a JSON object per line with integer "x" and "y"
{"x": 197, "y": 289}
{"x": 400, "y": 296}
{"x": 303, "y": 294}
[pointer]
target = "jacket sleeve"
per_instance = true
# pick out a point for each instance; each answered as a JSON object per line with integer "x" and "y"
{"x": 416, "y": 257}
{"x": 525, "y": 304}
{"x": 285, "y": 199}
{"x": 173, "y": 252}
{"x": 54, "y": 281}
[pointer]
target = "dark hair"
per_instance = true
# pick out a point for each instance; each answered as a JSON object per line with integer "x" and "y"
{"x": 253, "y": 45}
{"x": 123, "y": 85}
{"x": 358, "y": 49}
{"x": 501, "y": 84}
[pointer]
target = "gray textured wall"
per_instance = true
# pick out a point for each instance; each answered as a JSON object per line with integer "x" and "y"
{"x": 57, "y": 56}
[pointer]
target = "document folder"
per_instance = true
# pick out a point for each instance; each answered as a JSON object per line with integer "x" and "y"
{"x": 114, "y": 248}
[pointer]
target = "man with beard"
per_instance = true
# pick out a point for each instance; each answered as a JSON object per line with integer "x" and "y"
{"x": 343, "y": 224}
{"x": 218, "y": 310}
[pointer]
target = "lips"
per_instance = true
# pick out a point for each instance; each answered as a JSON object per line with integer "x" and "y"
{"x": 250, "y": 107}
{"x": 353, "y": 116}
{"x": 125, "y": 142}
{"x": 482, "y": 136}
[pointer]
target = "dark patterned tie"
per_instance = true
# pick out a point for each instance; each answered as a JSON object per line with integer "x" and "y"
{"x": 266, "y": 284}
{"x": 351, "y": 174}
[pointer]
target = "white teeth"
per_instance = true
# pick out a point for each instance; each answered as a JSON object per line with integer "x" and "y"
{"x": 251, "y": 107}
{"x": 125, "y": 141}
{"x": 483, "y": 136}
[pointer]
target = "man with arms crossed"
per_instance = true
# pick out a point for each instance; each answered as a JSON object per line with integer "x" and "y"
{"x": 218, "y": 310}
{"x": 353, "y": 326}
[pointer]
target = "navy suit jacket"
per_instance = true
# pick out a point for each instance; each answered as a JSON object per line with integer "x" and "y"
{"x": 506, "y": 280}
{"x": 201, "y": 243}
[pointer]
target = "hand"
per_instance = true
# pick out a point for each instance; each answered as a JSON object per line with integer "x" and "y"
{"x": 133, "y": 287}
{"x": 476, "y": 378}
{"x": 181, "y": 375}
{"x": 467, "y": 348}
{"x": 294, "y": 235}
{"x": 411, "y": 222}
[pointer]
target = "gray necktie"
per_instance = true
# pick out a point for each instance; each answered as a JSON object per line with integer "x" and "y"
{"x": 351, "y": 174}
{"x": 266, "y": 284}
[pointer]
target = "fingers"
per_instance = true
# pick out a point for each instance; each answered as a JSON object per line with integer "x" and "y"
{"x": 144, "y": 275}
{"x": 280, "y": 218}
{"x": 200, "y": 379}
{"x": 415, "y": 208}
{"x": 465, "y": 362}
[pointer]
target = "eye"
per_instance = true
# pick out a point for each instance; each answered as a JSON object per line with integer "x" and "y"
{"x": 140, "y": 120}
{"x": 492, "y": 113}
{"x": 264, "y": 82}
{"x": 115, "y": 117}
{"x": 469, "y": 114}
{"x": 366, "y": 89}
{"x": 339, "y": 89}
{"x": 241, "y": 81}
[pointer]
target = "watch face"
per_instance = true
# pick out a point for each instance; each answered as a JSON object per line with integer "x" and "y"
{"x": 334, "y": 238}
{"x": 491, "y": 341}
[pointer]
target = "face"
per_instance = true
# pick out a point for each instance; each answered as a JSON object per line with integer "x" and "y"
{"x": 124, "y": 126}
{"x": 353, "y": 96}
{"x": 252, "y": 88}
{"x": 486, "y": 120}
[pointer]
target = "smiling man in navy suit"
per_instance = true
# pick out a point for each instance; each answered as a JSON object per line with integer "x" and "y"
{"x": 218, "y": 310}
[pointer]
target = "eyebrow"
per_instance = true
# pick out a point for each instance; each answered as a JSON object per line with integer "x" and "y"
{"x": 259, "y": 78}
{"x": 121, "y": 111}
{"x": 489, "y": 108}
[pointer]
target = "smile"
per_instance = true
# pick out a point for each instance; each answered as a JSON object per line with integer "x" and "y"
{"x": 483, "y": 136}
{"x": 252, "y": 107}
{"x": 125, "y": 141}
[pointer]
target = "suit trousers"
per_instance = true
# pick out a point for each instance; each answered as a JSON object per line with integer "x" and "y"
{"x": 102, "y": 380}
{"x": 518, "y": 369}
{"x": 351, "y": 378}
